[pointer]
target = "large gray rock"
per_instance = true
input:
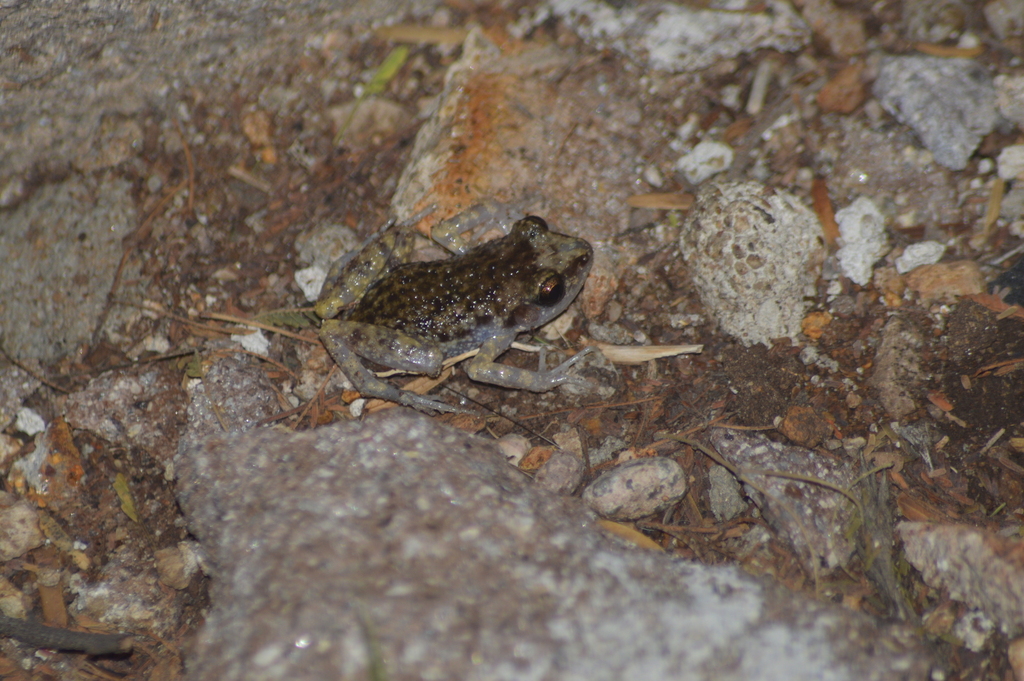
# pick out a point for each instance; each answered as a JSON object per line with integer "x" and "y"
{"x": 950, "y": 103}
{"x": 398, "y": 541}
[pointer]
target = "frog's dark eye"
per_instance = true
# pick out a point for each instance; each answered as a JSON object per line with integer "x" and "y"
{"x": 551, "y": 291}
{"x": 536, "y": 222}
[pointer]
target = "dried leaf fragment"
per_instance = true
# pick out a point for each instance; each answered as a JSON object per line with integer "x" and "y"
{"x": 629, "y": 534}
{"x": 125, "y": 495}
{"x": 661, "y": 201}
{"x": 638, "y": 354}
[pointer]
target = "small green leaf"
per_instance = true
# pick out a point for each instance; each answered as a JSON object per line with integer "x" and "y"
{"x": 194, "y": 368}
{"x": 385, "y": 73}
{"x": 387, "y": 70}
{"x": 125, "y": 495}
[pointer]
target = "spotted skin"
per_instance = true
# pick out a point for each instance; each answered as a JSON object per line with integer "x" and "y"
{"x": 416, "y": 315}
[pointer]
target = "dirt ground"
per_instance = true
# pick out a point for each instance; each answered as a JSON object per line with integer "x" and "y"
{"x": 241, "y": 184}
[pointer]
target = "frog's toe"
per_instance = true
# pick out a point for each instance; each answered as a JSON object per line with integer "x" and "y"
{"x": 562, "y": 368}
{"x": 424, "y": 403}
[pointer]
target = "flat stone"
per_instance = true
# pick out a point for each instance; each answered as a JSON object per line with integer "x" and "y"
{"x": 980, "y": 568}
{"x": 402, "y": 543}
{"x": 637, "y": 488}
{"x": 950, "y": 103}
{"x": 898, "y": 375}
{"x": 946, "y": 281}
{"x": 814, "y": 519}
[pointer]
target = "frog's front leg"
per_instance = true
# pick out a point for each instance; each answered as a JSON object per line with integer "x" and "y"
{"x": 351, "y": 275}
{"x": 348, "y": 341}
{"x": 448, "y": 233}
{"x": 484, "y": 369}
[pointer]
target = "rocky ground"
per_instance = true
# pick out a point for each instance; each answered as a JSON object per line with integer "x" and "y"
{"x": 825, "y": 197}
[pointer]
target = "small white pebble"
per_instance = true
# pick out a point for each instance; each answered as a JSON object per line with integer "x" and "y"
{"x": 923, "y": 253}
{"x": 862, "y": 239}
{"x": 28, "y": 421}
{"x": 256, "y": 343}
{"x": 514, "y": 448}
{"x": 1011, "y": 161}
{"x": 652, "y": 176}
{"x": 706, "y": 160}
{"x": 356, "y": 408}
{"x": 310, "y": 280}
{"x": 157, "y": 343}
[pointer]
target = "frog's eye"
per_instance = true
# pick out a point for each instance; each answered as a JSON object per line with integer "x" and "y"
{"x": 531, "y": 226}
{"x": 551, "y": 291}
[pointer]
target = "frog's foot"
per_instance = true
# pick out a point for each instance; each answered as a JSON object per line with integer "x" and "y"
{"x": 484, "y": 369}
{"x": 560, "y": 372}
{"x": 424, "y": 403}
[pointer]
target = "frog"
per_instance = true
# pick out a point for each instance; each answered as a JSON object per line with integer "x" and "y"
{"x": 376, "y": 305}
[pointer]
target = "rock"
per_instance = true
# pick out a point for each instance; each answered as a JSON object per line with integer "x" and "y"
{"x": 19, "y": 530}
{"x": 234, "y": 395}
{"x": 514, "y": 447}
{"x": 1005, "y": 17}
{"x": 673, "y": 37}
{"x": 139, "y": 407}
{"x": 922, "y": 253}
{"x": 1010, "y": 97}
{"x": 974, "y": 629}
{"x": 562, "y": 473}
{"x": 898, "y": 375}
{"x": 13, "y": 601}
{"x": 707, "y": 159}
{"x": 637, "y": 488}
{"x": 755, "y": 253}
{"x": 128, "y": 595}
{"x": 980, "y": 568}
{"x": 819, "y": 529}
{"x": 844, "y": 92}
{"x": 60, "y": 254}
{"x": 805, "y": 426}
{"x": 29, "y": 421}
{"x": 946, "y": 281}
{"x": 885, "y": 165}
{"x": 841, "y": 28}
{"x": 724, "y": 494}
{"x": 399, "y": 542}
{"x": 1011, "y": 208}
{"x": 15, "y": 385}
{"x": 52, "y": 470}
{"x": 374, "y": 116}
{"x": 862, "y": 239}
{"x": 950, "y": 103}
{"x": 176, "y": 565}
{"x": 1011, "y": 162}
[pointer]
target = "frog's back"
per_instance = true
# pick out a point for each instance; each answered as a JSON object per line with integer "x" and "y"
{"x": 500, "y": 288}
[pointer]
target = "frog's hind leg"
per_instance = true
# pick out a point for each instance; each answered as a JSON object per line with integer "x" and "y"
{"x": 335, "y": 336}
{"x": 484, "y": 369}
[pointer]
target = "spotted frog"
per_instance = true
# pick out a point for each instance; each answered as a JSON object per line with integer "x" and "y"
{"x": 413, "y": 316}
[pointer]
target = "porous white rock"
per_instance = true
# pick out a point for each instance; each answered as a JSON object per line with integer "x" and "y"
{"x": 862, "y": 239}
{"x": 755, "y": 253}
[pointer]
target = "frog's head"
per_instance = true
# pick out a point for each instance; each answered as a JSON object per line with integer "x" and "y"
{"x": 554, "y": 267}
